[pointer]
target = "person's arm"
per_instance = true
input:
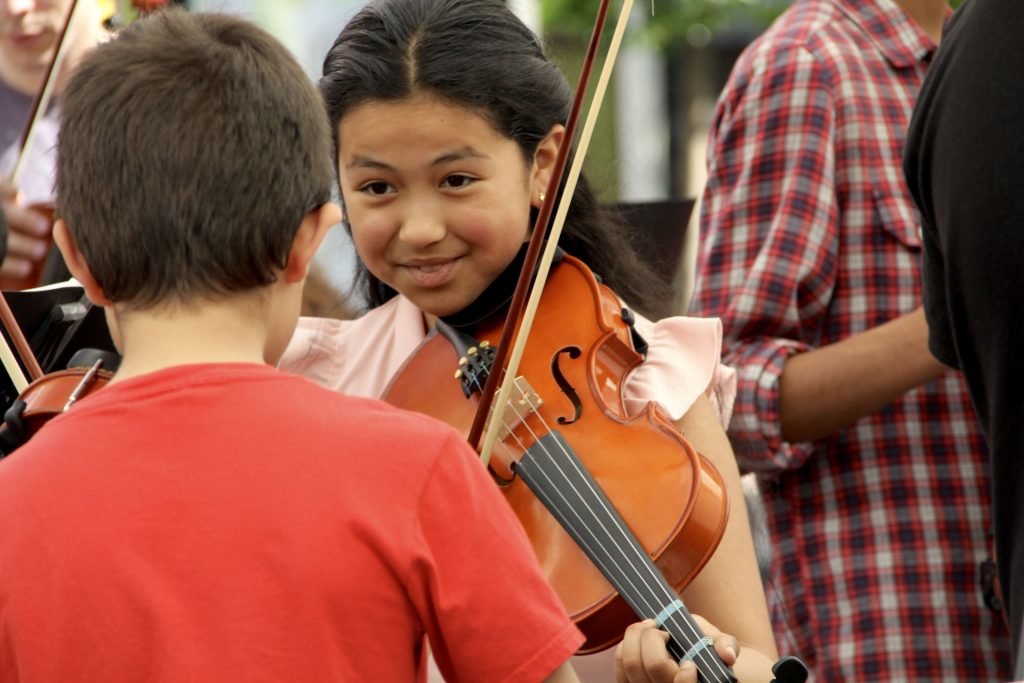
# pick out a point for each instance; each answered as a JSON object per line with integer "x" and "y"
{"x": 770, "y": 231}
{"x": 728, "y": 590}
{"x": 829, "y": 388}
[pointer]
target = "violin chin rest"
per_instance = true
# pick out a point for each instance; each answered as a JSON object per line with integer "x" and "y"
{"x": 86, "y": 358}
{"x": 790, "y": 670}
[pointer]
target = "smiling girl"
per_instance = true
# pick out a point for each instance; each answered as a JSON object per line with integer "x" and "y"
{"x": 447, "y": 119}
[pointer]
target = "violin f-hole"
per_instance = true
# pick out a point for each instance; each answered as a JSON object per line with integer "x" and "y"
{"x": 563, "y": 384}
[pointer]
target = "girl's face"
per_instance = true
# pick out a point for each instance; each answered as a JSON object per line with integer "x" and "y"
{"x": 438, "y": 201}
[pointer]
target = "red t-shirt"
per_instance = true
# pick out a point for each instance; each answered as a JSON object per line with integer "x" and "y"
{"x": 232, "y": 522}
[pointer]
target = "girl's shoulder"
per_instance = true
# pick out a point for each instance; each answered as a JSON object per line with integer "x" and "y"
{"x": 357, "y": 356}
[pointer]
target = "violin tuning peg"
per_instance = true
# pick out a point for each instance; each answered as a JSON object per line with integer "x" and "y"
{"x": 485, "y": 344}
{"x": 471, "y": 351}
{"x": 458, "y": 374}
{"x": 463, "y": 361}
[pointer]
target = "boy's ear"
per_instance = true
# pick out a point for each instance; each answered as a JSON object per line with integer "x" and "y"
{"x": 544, "y": 159}
{"x": 77, "y": 264}
{"x": 311, "y": 233}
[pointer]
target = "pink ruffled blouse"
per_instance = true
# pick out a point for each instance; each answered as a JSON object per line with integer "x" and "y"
{"x": 359, "y": 357}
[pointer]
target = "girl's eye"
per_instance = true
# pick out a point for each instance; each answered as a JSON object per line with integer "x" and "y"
{"x": 456, "y": 181}
{"x": 377, "y": 188}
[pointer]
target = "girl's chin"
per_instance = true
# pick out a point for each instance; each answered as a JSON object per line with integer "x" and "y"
{"x": 438, "y": 305}
{"x": 439, "y": 301}
{"x": 440, "y": 311}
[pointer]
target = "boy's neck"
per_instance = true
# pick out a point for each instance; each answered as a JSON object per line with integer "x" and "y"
{"x": 219, "y": 332}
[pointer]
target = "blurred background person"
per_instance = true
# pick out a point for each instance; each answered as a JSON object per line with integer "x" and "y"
{"x": 964, "y": 164}
{"x": 29, "y": 34}
{"x": 870, "y": 456}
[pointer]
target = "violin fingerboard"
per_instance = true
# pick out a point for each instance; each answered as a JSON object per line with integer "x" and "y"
{"x": 562, "y": 483}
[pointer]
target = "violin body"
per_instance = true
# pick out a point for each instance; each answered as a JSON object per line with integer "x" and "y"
{"x": 49, "y": 396}
{"x": 576, "y": 361}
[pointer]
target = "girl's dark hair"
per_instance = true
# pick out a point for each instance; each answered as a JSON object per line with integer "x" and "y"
{"x": 477, "y": 54}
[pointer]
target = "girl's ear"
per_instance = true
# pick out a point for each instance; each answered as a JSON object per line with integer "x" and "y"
{"x": 77, "y": 264}
{"x": 544, "y": 163}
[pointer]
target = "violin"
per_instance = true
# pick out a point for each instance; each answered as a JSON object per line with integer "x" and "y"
{"x": 581, "y": 473}
{"x": 568, "y": 406}
{"x": 52, "y": 394}
{"x": 47, "y": 395}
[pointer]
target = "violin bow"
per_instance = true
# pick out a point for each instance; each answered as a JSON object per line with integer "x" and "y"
{"x": 42, "y": 100}
{"x": 21, "y": 344}
{"x": 521, "y": 313}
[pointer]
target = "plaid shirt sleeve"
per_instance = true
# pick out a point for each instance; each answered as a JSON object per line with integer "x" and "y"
{"x": 769, "y": 235}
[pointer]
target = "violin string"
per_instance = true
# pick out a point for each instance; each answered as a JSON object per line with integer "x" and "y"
{"x": 683, "y": 632}
{"x": 659, "y": 591}
{"x": 690, "y": 628}
{"x": 685, "y": 625}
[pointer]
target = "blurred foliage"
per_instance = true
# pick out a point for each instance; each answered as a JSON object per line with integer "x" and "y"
{"x": 673, "y": 22}
{"x": 693, "y": 22}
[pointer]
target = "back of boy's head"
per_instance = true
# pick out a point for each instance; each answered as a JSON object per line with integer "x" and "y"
{"x": 191, "y": 147}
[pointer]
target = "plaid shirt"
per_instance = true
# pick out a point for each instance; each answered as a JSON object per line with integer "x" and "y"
{"x": 809, "y": 236}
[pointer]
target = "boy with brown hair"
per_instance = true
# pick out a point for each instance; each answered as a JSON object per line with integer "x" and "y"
{"x": 205, "y": 516}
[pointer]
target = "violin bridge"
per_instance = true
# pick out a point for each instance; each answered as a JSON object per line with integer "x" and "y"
{"x": 87, "y": 379}
{"x": 523, "y": 402}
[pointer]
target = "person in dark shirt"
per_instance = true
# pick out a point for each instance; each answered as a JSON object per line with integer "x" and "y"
{"x": 964, "y": 165}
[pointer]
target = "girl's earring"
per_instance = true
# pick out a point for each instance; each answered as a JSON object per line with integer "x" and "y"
{"x": 541, "y": 195}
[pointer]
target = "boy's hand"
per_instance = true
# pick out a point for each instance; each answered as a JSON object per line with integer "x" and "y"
{"x": 28, "y": 233}
{"x": 642, "y": 656}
